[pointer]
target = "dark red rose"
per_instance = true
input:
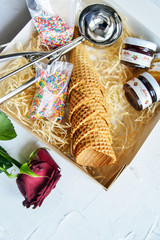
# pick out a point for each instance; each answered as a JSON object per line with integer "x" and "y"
{"x": 36, "y": 189}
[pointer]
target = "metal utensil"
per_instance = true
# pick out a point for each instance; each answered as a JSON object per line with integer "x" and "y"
{"x": 55, "y": 54}
{"x": 18, "y": 90}
{"x": 55, "y": 57}
{"x": 28, "y": 55}
{"x": 98, "y": 23}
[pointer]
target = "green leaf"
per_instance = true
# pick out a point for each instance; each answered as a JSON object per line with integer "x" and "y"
{"x": 10, "y": 175}
{"x": 26, "y": 170}
{"x": 9, "y": 158}
{"x": 34, "y": 152}
{"x": 4, "y": 161}
{"x": 7, "y": 131}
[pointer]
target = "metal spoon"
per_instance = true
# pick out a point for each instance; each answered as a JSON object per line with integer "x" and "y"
{"x": 98, "y": 23}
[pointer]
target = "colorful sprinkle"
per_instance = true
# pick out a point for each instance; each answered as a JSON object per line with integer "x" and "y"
{"x": 50, "y": 98}
{"x": 53, "y": 31}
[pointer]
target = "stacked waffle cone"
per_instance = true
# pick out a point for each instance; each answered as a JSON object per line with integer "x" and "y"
{"x": 88, "y": 114}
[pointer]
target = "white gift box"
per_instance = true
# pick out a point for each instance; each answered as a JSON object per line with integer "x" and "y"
{"x": 139, "y": 26}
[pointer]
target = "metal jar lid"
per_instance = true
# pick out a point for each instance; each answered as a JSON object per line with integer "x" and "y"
{"x": 153, "y": 82}
{"x": 141, "y": 43}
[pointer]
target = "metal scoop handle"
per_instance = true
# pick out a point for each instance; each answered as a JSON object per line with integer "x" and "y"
{"x": 24, "y": 86}
{"x": 29, "y": 55}
{"x": 18, "y": 90}
{"x": 58, "y": 53}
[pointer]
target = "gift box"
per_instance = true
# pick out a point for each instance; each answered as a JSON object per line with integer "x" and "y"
{"x": 139, "y": 27}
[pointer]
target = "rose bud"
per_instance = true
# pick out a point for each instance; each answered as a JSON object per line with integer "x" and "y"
{"x": 36, "y": 188}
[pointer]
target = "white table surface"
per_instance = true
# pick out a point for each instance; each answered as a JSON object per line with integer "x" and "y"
{"x": 79, "y": 208}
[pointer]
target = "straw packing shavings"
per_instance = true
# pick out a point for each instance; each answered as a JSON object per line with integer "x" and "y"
{"x": 126, "y": 124}
{"x": 18, "y": 107}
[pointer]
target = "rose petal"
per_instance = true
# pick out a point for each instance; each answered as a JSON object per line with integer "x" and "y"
{"x": 36, "y": 189}
{"x": 46, "y": 157}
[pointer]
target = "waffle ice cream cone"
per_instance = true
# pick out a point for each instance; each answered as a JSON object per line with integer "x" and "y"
{"x": 95, "y": 150}
{"x": 88, "y": 114}
{"x": 88, "y": 89}
{"x": 82, "y": 63}
{"x": 75, "y": 82}
{"x": 80, "y": 97}
{"x": 94, "y": 124}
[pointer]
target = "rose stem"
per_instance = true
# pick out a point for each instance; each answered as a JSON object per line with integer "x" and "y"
{"x": 10, "y": 159}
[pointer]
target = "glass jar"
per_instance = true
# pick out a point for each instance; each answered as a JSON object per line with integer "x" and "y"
{"x": 154, "y": 70}
{"x": 138, "y": 52}
{"x": 143, "y": 91}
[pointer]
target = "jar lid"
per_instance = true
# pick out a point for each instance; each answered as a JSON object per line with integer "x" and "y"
{"x": 141, "y": 43}
{"x": 157, "y": 55}
{"x": 153, "y": 82}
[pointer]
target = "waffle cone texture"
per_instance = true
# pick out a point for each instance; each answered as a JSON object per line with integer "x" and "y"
{"x": 88, "y": 114}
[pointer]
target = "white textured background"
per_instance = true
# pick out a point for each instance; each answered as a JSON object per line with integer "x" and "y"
{"x": 79, "y": 209}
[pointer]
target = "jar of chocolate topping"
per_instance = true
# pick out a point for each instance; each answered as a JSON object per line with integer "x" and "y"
{"x": 154, "y": 69}
{"x": 143, "y": 91}
{"x": 138, "y": 52}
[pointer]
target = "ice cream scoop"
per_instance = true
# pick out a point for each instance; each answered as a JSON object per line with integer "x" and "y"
{"x": 99, "y": 24}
